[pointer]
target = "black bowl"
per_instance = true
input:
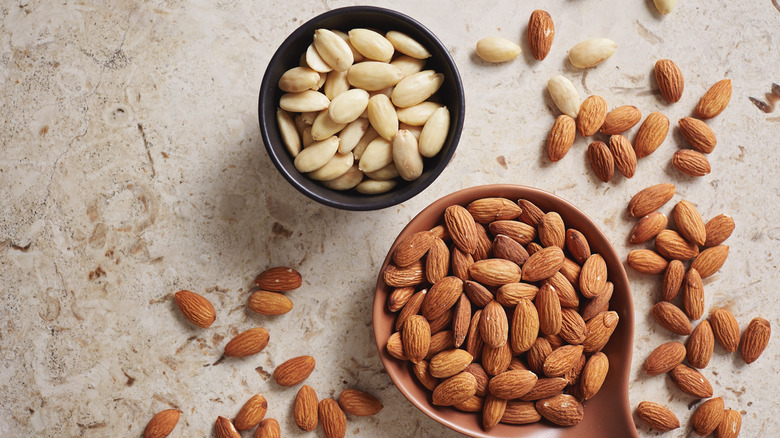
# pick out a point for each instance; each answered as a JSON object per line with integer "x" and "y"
{"x": 288, "y": 55}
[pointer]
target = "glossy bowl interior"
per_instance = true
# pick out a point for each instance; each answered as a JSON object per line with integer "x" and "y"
{"x": 288, "y": 55}
{"x": 608, "y": 414}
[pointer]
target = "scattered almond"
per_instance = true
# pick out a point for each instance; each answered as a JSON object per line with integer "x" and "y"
{"x": 623, "y": 154}
{"x": 725, "y": 328}
{"x": 672, "y": 318}
{"x": 561, "y": 137}
{"x": 541, "y": 31}
{"x": 305, "y": 409}
{"x": 279, "y": 279}
{"x": 691, "y": 381}
{"x": 162, "y": 424}
{"x": 332, "y": 418}
{"x": 718, "y": 229}
{"x": 197, "y": 309}
{"x": 698, "y": 133}
{"x": 268, "y": 428}
{"x": 359, "y": 403}
{"x": 651, "y": 134}
{"x": 689, "y": 222}
{"x": 656, "y": 416}
{"x": 730, "y": 425}
{"x": 650, "y": 199}
{"x": 714, "y": 100}
{"x": 269, "y": 303}
{"x": 707, "y": 416}
{"x": 621, "y": 119}
{"x": 648, "y": 227}
{"x": 673, "y": 279}
{"x": 700, "y": 345}
{"x": 710, "y": 260}
{"x": 294, "y": 371}
{"x": 247, "y": 343}
{"x": 693, "y": 294}
{"x": 670, "y": 78}
{"x": 591, "y": 116}
{"x": 755, "y": 338}
{"x": 664, "y": 358}
{"x": 225, "y": 429}
{"x": 646, "y": 261}
{"x": 691, "y": 163}
{"x": 601, "y": 160}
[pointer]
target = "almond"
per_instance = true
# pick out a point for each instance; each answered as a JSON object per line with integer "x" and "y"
{"x": 225, "y": 429}
{"x": 251, "y": 413}
{"x": 689, "y": 222}
{"x": 699, "y": 134}
{"x": 486, "y": 210}
{"x": 651, "y": 134}
{"x": 195, "y": 308}
{"x": 440, "y": 341}
{"x": 399, "y": 297}
{"x": 460, "y": 320}
{"x": 497, "y": 49}
{"x": 646, "y": 261}
{"x": 598, "y": 304}
{"x": 332, "y": 418}
{"x": 294, "y": 371}
{"x": 755, "y": 338}
{"x": 462, "y": 228}
{"x": 441, "y": 297}
{"x": 718, "y": 229}
{"x": 543, "y": 264}
{"x": 552, "y": 231}
{"x": 359, "y": 403}
{"x": 395, "y": 346}
{"x": 591, "y": 52}
{"x": 573, "y": 328}
{"x": 268, "y": 428}
{"x": 545, "y": 388}
{"x": 305, "y": 410}
{"x": 481, "y": 376}
{"x": 567, "y": 295}
{"x": 520, "y": 412}
{"x": 279, "y": 279}
{"x": 664, "y": 358}
{"x": 541, "y": 31}
{"x": 474, "y": 343}
{"x": 691, "y": 381}
{"x": 564, "y": 95}
{"x": 549, "y": 307}
{"x": 593, "y": 276}
{"x": 563, "y": 410}
{"x": 599, "y": 330}
{"x": 693, "y": 294}
{"x": 520, "y": 232}
{"x": 691, "y": 163}
{"x": 494, "y": 272}
{"x": 673, "y": 279}
{"x": 714, "y": 100}
{"x": 484, "y": 244}
{"x": 621, "y": 119}
{"x": 577, "y": 245}
{"x": 561, "y": 137}
{"x": 658, "y": 417}
{"x": 511, "y": 294}
{"x": 461, "y": 261}
{"x": 648, "y": 227}
{"x": 416, "y": 338}
{"x": 411, "y": 308}
{"x": 710, "y": 260}
{"x": 725, "y": 328}
{"x": 593, "y": 112}
{"x": 478, "y": 294}
{"x": 471, "y": 404}
{"x": 496, "y": 360}
{"x": 493, "y": 325}
{"x": 730, "y": 424}
{"x": 573, "y": 375}
{"x": 422, "y": 371}
{"x": 707, "y": 416}
{"x": 413, "y": 248}
{"x": 247, "y": 343}
{"x": 512, "y": 384}
{"x": 670, "y": 80}
{"x": 269, "y": 303}
{"x": 623, "y": 154}
{"x": 700, "y": 345}
{"x": 673, "y": 246}
{"x": 650, "y": 199}
{"x": 504, "y": 247}
{"x": 411, "y": 275}
{"x": 492, "y": 411}
{"x": 525, "y": 326}
{"x": 455, "y": 390}
{"x": 449, "y": 363}
{"x": 162, "y": 424}
{"x": 531, "y": 214}
{"x": 672, "y": 318}
{"x": 601, "y": 160}
{"x": 537, "y": 354}
{"x": 561, "y": 360}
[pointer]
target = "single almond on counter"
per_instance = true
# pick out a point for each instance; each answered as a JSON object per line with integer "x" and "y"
{"x": 730, "y": 425}
{"x": 650, "y": 199}
{"x": 698, "y": 133}
{"x": 247, "y": 343}
{"x": 648, "y": 227}
{"x": 252, "y": 413}
{"x": 561, "y": 137}
{"x": 225, "y": 429}
{"x": 714, "y": 100}
{"x": 197, "y": 309}
{"x": 593, "y": 112}
{"x": 601, "y": 160}
{"x": 755, "y": 338}
{"x": 646, "y": 261}
{"x": 497, "y": 49}
{"x": 664, "y": 358}
{"x": 656, "y": 416}
{"x": 651, "y": 134}
{"x": 693, "y": 294}
{"x": 718, "y": 229}
{"x": 269, "y": 303}
{"x": 564, "y": 95}
{"x": 673, "y": 278}
{"x": 671, "y": 245}
{"x": 700, "y": 345}
{"x": 162, "y": 424}
{"x": 710, "y": 260}
{"x": 305, "y": 410}
{"x": 623, "y": 154}
{"x": 670, "y": 80}
{"x": 332, "y": 418}
{"x": 563, "y": 410}
{"x": 268, "y": 428}
{"x": 294, "y": 371}
{"x": 691, "y": 381}
{"x": 707, "y": 416}
{"x": 689, "y": 222}
{"x": 691, "y": 163}
{"x": 279, "y": 279}
{"x": 725, "y": 328}
{"x": 591, "y": 52}
{"x": 671, "y": 317}
{"x": 541, "y": 31}
{"x": 359, "y": 403}
{"x": 621, "y": 119}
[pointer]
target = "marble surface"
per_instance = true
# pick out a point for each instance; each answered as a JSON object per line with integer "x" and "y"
{"x": 131, "y": 167}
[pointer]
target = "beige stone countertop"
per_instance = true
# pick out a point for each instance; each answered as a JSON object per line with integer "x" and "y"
{"x": 131, "y": 166}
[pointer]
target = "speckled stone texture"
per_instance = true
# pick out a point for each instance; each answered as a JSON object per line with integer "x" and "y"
{"x": 131, "y": 167}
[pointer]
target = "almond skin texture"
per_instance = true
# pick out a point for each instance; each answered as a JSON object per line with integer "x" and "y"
{"x": 672, "y": 318}
{"x": 504, "y": 247}
{"x": 549, "y": 307}
{"x": 474, "y": 343}
{"x": 577, "y": 245}
{"x": 552, "y": 231}
{"x": 623, "y": 154}
{"x": 413, "y": 248}
{"x": 520, "y": 232}
{"x": 412, "y": 307}
{"x": 455, "y": 390}
{"x": 693, "y": 294}
{"x": 541, "y": 31}
{"x": 707, "y": 416}
{"x": 561, "y": 360}
{"x": 294, "y": 371}
{"x": 651, "y": 134}
{"x": 657, "y": 417}
{"x": 545, "y": 388}
{"x": 664, "y": 358}
{"x": 162, "y": 424}
{"x": 493, "y": 325}
{"x": 648, "y": 227}
{"x": 567, "y": 295}
{"x": 395, "y": 346}
{"x": 673, "y": 246}
{"x": 399, "y": 297}
{"x": 462, "y": 228}
{"x": 691, "y": 163}
{"x": 714, "y": 100}
{"x": 673, "y": 279}
{"x": 332, "y": 418}
{"x": 593, "y": 276}
{"x": 718, "y": 229}
{"x": 460, "y": 320}
{"x": 471, "y": 404}
{"x": 411, "y": 275}
{"x": 563, "y": 410}
{"x": 492, "y": 411}
{"x": 543, "y": 264}
{"x": 621, "y": 119}
{"x": 573, "y": 328}
{"x": 593, "y": 112}
{"x": 646, "y": 261}
{"x": 437, "y": 263}
{"x": 487, "y": 210}
{"x": 268, "y": 428}
{"x": 269, "y": 303}
{"x": 699, "y": 134}
{"x": 496, "y": 360}
{"x": 601, "y": 160}
{"x": 561, "y": 137}
{"x": 755, "y": 338}
{"x": 449, "y": 363}
{"x": 247, "y": 343}
{"x": 725, "y": 329}
{"x": 730, "y": 425}
{"x": 710, "y": 260}
{"x": 441, "y": 297}
{"x": 195, "y": 308}
{"x": 252, "y": 413}
{"x": 689, "y": 222}
{"x": 525, "y": 326}
{"x": 305, "y": 410}
{"x": 416, "y": 338}
{"x": 650, "y": 199}
{"x": 494, "y": 272}
{"x": 670, "y": 80}
{"x": 225, "y": 429}
{"x": 691, "y": 381}
{"x": 700, "y": 345}
{"x": 537, "y": 354}
{"x": 593, "y": 375}
{"x": 279, "y": 279}
{"x": 531, "y": 214}
{"x": 520, "y": 412}
{"x": 512, "y": 384}
{"x": 599, "y": 330}
{"x": 359, "y": 403}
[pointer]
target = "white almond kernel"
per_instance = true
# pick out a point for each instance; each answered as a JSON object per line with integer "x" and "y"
{"x": 348, "y": 106}
{"x": 416, "y": 88}
{"x": 309, "y": 117}
{"x": 306, "y": 138}
{"x": 333, "y": 50}
{"x": 382, "y": 116}
{"x": 373, "y": 75}
{"x": 497, "y": 49}
{"x": 355, "y": 54}
{"x": 385, "y": 173}
{"x": 324, "y": 126}
{"x": 351, "y": 135}
{"x": 367, "y": 138}
{"x": 298, "y": 79}
{"x": 378, "y": 154}
{"x": 408, "y": 65}
{"x": 316, "y": 155}
{"x": 418, "y": 114}
{"x": 371, "y": 44}
{"x": 564, "y": 95}
{"x": 415, "y": 130}
{"x": 406, "y": 156}
{"x": 304, "y": 101}
{"x": 592, "y": 52}
{"x": 349, "y": 180}
{"x": 335, "y": 84}
{"x": 664, "y": 6}
{"x": 373, "y": 187}
{"x": 290, "y": 137}
{"x": 407, "y": 45}
{"x": 315, "y": 61}
{"x": 337, "y": 166}
{"x": 434, "y": 133}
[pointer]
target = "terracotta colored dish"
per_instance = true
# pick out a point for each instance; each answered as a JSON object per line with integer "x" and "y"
{"x": 608, "y": 414}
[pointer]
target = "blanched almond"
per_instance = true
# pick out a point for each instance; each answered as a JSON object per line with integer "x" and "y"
{"x": 290, "y": 137}
{"x": 371, "y": 44}
{"x": 378, "y": 154}
{"x": 315, "y": 61}
{"x": 374, "y": 76}
{"x": 497, "y": 49}
{"x": 564, "y": 95}
{"x": 298, "y": 79}
{"x": 386, "y": 173}
{"x": 591, "y": 52}
{"x": 335, "y": 83}
{"x": 304, "y": 101}
{"x": 351, "y": 135}
{"x": 348, "y": 106}
{"x": 382, "y": 116}
{"x": 407, "y": 45}
{"x": 324, "y": 126}
{"x": 406, "y": 156}
{"x": 408, "y": 65}
{"x": 434, "y": 133}
{"x": 418, "y": 114}
{"x": 333, "y": 50}
{"x": 416, "y": 88}
{"x": 334, "y": 168}
{"x": 373, "y": 187}
{"x": 367, "y": 138}
{"x": 316, "y": 155}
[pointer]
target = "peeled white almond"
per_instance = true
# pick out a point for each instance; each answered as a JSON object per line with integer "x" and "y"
{"x": 290, "y": 137}
{"x": 367, "y": 138}
{"x": 378, "y": 154}
{"x": 373, "y": 75}
{"x": 434, "y": 133}
{"x": 348, "y": 180}
{"x": 355, "y": 54}
{"x": 316, "y": 155}
{"x": 416, "y": 88}
{"x": 371, "y": 44}
{"x": 373, "y": 187}
{"x": 348, "y": 106}
{"x": 385, "y": 173}
{"x": 592, "y": 52}
{"x": 382, "y": 116}
{"x": 564, "y": 95}
{"x": 351, "y": 135}
{"x": 664, "y": 6}
{"x": 337, "y": 166}
{"x": 407, "y": 45}
{"x": 408, "y": 65}
{"x": 324, "y": 126}
{"x": 333, "y": 50}
{"x": 315, "y": 61}
{"x": 497, "y": 49}
{"x": 335, "y": 84}
{"x": 406, "y": 156}
{"x": 298, "y": 79}
{"x": 418, "y": 114}
{"x": 304, "y": 101}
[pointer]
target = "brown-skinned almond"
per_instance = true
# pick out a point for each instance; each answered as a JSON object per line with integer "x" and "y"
{"x": 462, "y": 228}
{"x": 707, "y": 416}
{"x": 359, "y": 403}
{"x": 621, "y": 119}
{"x": 730, "y": 424}
{"x": 563, "y": 410}
{"x": 279, "y": 279}
{"x": 541, "y": 31}
{"x": 593, "y": 276}
{"x": 693, "y": 294}
{"x": 225, "y": 429}
{"x": 454, "y": 390}
{"x": 294, "y": 371}
{"x": 561, "y": 360}
{"x": 512, "y": 384}
{"x": 646, "y": 261}
{"x": 416, "y": 338}
{"x": 664, "y": 358}
{"x": 671, "y": 317}
{"x": 305, "y": 409}
{"x": 691, "y": 163}
{"x": 651, "y": 134}
{"x": 561, "y": 137}
{"x": 671, "y": 245}
{"x": 710, "y": 260}
{"x": 531, "y": 214}
{"x": 197, "y": 309}
{"x": 658, "y": 417}
{"x": 332, "y": 418}
{"x": 673, "y": 279}
{"x": 411, "y": 275}
{"x": 162, "y": 424}
{"x": 247, "y": 343}
{"x": 487, "y": 210}
{"x": 413, "y": 248}
{"x": 495, "y": 272}
{"x": 725, "y": 329}
{"x": 698, "y": 133}
{"x": 551, "y": 230}
{"x": 718, "y": 229}
{"x": 493, "y": 325}
{"x": 601, "y": 160}
{"x": 599, "y": 330}
{"x": 689, "y": 222}
{"x": 650, "y": 199}
{"x": 543, "y": 264}
{"x": 691, "y": 381}
{"x": 504, "y": 247}
{"x": 441, "y": 297}
{"x": 593, "y": 375}
{"x": 593, "y": 112}
{"x": 268, "y": 428}
{"x": 700, "y": 345}
{"x": 670, "y": 80}
{"x": 715, "y": 100}
{"x": 269, "y": 303}
{"x": 648, "y": 227}
{"x": 755, "y": 338}
{"x": 251, "y": 413}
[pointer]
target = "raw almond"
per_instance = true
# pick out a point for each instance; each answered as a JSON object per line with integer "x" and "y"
{"x": 269, "y": 303}
{"x": 537, "y": 354}
{"x": 525, "y": 326}
{"x": 573, "y": 328}
{"x": 481, "y": 376}
{"x": 567, "y": 295}
{"x": 511, "y": 294}
{"x": 664, "y": 358}
{"x": 714, "y": 100}
{"x": 304, "y": 101}
{"x": 412, "y": 307}
{"x": 601, "y": 160}
{"x": 252, "y": 413}
{"x": 399, "y": 297}
{"x": 521, "y": 232}
{"x": 462, "y": 228}
{"x": 593, "y": 112}
{"x": 332, "y": 418}
{"x": 478, "y": 294}
{"x": 693, "y": 294}
{"x": 471, "y": 404}
{"x": 520, "y": 412}
{"x": 648, "y": 227}
{"x": 294, "y": 371}
{"x": 455, "y": 390}
{"x": 573, "y": 375}
{"x": 543, "y": 264}
{"x": 672, "y": 318}
{"x": 461, "y": 261}
{"x": 700, "y": 345}
{"x": 395, "y": 346}
{"x": 298, "y": 79}
{"x": 496, "y": 360}
{"x": 691, "y": 381}
{"x": 552, "y": 231}
{"x": 561, "y": 137}
{"x": 730, "y": 424}
{"x": 658, "y": 417}
{"x": 333, "y": 50}
{"x": 670, "y": 79}
{"x": 621, "y": 119}
{"x": 689, "y": 222}
{"x": 268, "y": 428}
{"x": 563, "y": 410}
{"x": 593, "y": 375}
{"x": 725, "y": 328}
{"x": 373, "y": 75}
{"x": 646, "y": 261}
{"x": 710, "y": 260}
{"x": 493, "y": 325}
{"x": 359, "y": 403}
{"x": 411, "y": 275}
{"x": 564, "y": 95}
{"x": 673, "y": 279}
{"x": 593, "y": 276}
{"x": 305, "y": 410}
{"x": 225, "y": 429}
{"x": 423, "y": 373}
{"x": 416, "y": 337}
{"x": 162, "y": 424}
{"x": 531, "y": 214}
{"x": 492, "y": 411}
{"x": 541, "y": 31}
{"x": 623, "y": 154}
{"x": 290, "y": 137}
{"x": 755, "y": 338}
{"x": 486, "y": 210}
{"x": 545, "y": 388}
{"x": 718, "y": 229}
{"x": 673, "y": 246}
{"x": 548, "y": 306}
{"x": 495, "y": 272}
{"x": 416, "y": 88}
{"x": 441, "y": 339}
{"x": 561, "y": 360}
{"x": 512, "y": 384}
{"x": 650, "y": 199}
{"x": 382, "y": 116}
{"x": 434, "y": 132}
{"x": 599, "y": 330}
{"x": 707, "y": 416}
{"x": 449, "y": 363}
{"x": 691, "y": 163}
{"x": 651, "y": 134}
{"x": 505, "y": 247}
{"x": 592, "y": 52}
{"x": 247, "y": 343}
{"x": 497, "y": 49}
{"x": 699, "y": 134}
{"x": 598, "y": 304}
{"x": 484, "y": 244}
{"x": 460, "y": 320}
{"x": 197, "y": 309}
{"x": 372, "y": 45}
{"x": 413, "y": 248}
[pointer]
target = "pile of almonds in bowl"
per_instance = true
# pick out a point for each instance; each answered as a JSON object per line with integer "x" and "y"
{"x": 503, "y": 310}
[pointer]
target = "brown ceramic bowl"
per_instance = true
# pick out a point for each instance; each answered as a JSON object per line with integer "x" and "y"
{"x": 608, "y": 414}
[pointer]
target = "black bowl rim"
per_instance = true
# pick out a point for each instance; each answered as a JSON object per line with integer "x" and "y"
{"x": 364, "y": 202}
